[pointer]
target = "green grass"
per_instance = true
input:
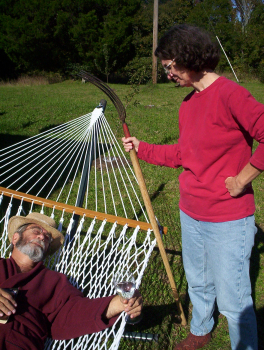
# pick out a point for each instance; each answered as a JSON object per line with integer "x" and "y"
{"x": 27, "y": 110}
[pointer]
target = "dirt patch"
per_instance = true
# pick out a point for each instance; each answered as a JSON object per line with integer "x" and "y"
{"x": 111, "y": 162}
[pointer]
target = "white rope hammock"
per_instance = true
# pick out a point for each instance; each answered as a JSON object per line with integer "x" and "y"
{"x": 44, "y": 173}
{"x": 90, "y": 260}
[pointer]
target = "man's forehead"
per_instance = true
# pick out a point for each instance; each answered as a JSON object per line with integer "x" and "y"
{"x": 37, "y": 226}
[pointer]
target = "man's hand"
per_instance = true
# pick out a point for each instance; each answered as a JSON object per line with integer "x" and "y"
{"x": 132, "y": 306}
{"x": 7, "y": 303}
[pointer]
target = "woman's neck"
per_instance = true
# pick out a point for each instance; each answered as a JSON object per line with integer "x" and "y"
{"x": 202, "y": 80}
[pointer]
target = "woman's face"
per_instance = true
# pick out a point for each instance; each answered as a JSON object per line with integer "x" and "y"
{"x": 176, "y": 73}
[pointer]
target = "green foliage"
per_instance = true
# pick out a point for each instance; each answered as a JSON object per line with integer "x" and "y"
{"x": 72, "y": 69}
{"x": 261, "y": 72}
{"x": 139, "y": 72}
{"x": 52, "y": 35}
{"x": 216, "y": 17}
{"x": 170, "y": 12}
{"x": 106, "y": 70}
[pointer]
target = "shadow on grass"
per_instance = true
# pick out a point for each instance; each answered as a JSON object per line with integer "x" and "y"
{"x": 154, "y": 317}
{"x": 255, "y": 267}
{"x": 260, "y": 322}
{"x": 7, "y": 140}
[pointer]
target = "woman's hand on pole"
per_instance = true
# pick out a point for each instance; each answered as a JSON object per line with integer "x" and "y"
{"x": 129, "y": 143}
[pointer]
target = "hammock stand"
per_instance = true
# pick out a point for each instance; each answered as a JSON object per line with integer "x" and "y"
{"x": 143, "y": 189}
{"x": 100, "y": 243}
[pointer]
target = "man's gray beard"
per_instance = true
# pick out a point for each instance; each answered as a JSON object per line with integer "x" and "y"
{"x": 34, "y": 252}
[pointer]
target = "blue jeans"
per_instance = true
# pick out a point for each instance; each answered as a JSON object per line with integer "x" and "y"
{"x": 216, "y": 259}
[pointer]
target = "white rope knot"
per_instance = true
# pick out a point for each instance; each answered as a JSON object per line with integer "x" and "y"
{"x": 52, "y": 214}
{"x": 42, "y": 209}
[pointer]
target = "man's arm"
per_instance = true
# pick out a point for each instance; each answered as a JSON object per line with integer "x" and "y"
{"x": 72, "y": 315}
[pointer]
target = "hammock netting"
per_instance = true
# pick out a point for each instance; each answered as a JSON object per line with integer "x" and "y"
{"x": 49, "y": 173}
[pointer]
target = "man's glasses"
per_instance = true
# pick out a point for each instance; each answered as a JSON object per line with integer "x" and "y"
{"x": 167, "y": 68}
{"x": 38, "y": 231}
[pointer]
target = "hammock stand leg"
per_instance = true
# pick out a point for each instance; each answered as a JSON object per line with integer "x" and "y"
{"x": 155, "y": 227}
{"x": 145, "y": 337}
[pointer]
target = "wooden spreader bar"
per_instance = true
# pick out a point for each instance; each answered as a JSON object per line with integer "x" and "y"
{"x": 79, "y": 211}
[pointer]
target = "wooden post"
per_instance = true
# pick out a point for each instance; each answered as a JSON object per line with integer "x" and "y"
{"x": 155, "y": 42}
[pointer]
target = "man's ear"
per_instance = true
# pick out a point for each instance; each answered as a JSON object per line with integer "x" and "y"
{"x": 15, "y": 238}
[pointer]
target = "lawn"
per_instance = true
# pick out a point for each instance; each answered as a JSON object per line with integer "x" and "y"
{"x": 28, "y": 110}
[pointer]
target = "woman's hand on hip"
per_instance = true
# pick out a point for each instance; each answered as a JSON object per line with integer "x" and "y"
{"x": 233, "y": 186}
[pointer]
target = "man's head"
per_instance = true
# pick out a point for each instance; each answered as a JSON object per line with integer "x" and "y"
{"x": 34, "y": 235}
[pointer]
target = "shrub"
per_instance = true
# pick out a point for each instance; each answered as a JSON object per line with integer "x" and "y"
{"x": 139, "y": 70}
{"x": 72, "y": 69}
{"x": 261, "y": 72}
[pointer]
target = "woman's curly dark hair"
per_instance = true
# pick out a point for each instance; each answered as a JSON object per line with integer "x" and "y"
{"x": 190, "y": 46}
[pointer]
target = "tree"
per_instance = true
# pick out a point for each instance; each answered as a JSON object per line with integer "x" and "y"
{"x": 217, "y": 17}
{"x": 106, "y": 70}
{"x": 253, "y": 39}
{"x": 170, "y": 13}
{"x": 244, "y": 9}
{"x": 53, "y": 34}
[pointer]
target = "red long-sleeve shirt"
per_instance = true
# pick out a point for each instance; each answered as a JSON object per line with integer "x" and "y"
{"x": 47, "y": 304}
{"x": 217, "y": 127}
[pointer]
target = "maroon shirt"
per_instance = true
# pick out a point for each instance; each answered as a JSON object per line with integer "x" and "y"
{"x": 47, "y": 305}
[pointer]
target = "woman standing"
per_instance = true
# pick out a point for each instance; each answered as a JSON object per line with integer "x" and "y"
{"x": 218, "y": 121}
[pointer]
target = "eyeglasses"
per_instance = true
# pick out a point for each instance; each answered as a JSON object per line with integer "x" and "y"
{"x": 167, "y": 68}
{"x": 38, "y": 231}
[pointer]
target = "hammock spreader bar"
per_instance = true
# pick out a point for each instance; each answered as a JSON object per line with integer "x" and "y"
{"x": 79, "y": 211}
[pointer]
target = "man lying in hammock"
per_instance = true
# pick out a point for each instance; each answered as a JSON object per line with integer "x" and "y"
{"x": 46, "y": 303}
